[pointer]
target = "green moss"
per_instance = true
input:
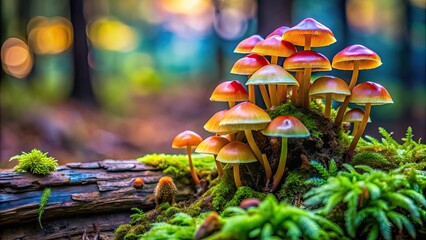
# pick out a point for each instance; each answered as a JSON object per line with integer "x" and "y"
{"x": 43, "y": 203}
{"x": 243, "y": 193}
{"x": 223, "y": 191}
{"x": 35, "y": 162}
{"x": 294, "y": 187}
{"x": 178, "y": 166}
{"x": 372, "y": 159}
{"x": 132, "y": 236}
{"x": 121, "y": 231}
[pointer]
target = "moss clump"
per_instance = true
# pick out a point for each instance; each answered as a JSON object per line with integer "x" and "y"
{"x": 243, "y": 193}
{"x": 35, "y": 162}
{"x": 178, "y": 166}
{"x": 121, "y": 231}
{"x": 132, "y": 236}
{"x": 372, "y": 159}
{"x": 294, "y": 187}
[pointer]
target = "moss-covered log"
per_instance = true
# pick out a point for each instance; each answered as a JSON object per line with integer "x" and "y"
{"x": 78, "y": 191}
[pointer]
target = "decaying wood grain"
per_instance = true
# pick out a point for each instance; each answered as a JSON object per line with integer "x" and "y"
{"x": 77, "y": 189}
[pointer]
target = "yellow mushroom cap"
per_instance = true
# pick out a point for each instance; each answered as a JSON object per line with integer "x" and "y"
{"x": 329, "y": 84}
{"x": 370, "y": 92}
{"x": 212, "y": 145}
{"x": 274, "y": 46}
{"x": 186, "y": 138}
{"x": 212, "y": 124}
{"x": 307, "y": 59}
{"x": 286, "y": 126}
{"x": 367, "y": 59}
{"x": 245, "y": 116}
{"x": 229, "y": 91}
{"x": 236, "y": 152}
{"x": 320, "y": 34}
{"x": 354, "y": 115}
{"x": 272, "y": 74}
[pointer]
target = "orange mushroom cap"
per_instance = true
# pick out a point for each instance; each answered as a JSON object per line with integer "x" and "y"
{"x": 278, "y": 32}
{"x": 370, "y": 92}
{"x": 245, "y": 116}
{"x": 344, "y": 60}
{"x": 212, "y": 145}
{"x": 307, "y": 59}
{"x": 236, "y": 152}
{"x": 354, "y": 115}
{"x": 229, "y": 91}
{"x": 249, "y": 64}
{"x": 329, "y": 84}
{"x": 212, "y": 125}
{"x": 246, "y": 45}
{"x": 272, "y": 74}
{"x": 286, "y": 126}
{"x": 274, "y": 46}
{"x": 186, "y": 138}
{"x": 320, "y": 34}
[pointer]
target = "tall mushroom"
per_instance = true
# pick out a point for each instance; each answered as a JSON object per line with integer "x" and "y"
{"x": 329, "y": 87}
{"x": 309, "y": 61}
{"x": 247, "y": 66}
{"x": 274, "y": 47}
{"x": 247, "y": 117}
{"x": 355, "y": 58}
{"x": 212, "y": 145}
{"x": 236, "y": 153}
{"x": 284, "y": 127}
{"x": 273, "y": 74}
{"x": 189, "y": 140}
{"x": 231, "y": 92}
{"x": 367, "y": 94}
{"x": 246, "y": 45}
{"x": 354, "y": 116}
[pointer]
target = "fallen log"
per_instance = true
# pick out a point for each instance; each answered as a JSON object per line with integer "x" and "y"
{"x": 84, "y": 197}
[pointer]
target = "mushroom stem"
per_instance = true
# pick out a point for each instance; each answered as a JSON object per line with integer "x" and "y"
{"x": 274, "y": 60}
{"x": 307, "y": 42}
{"x": 281, "y": 165}
{"x": 295, "y": 88}
{"x": 237, "y": 179}
{"x": 355, "y": 129}
{"x": 360, "y": 130}
{"x": 282, "y": 93}
{"x": 265, "y": 95}
{"x": 306, "y": 85}
{"x": 327, "y": 110}
{"x": 253, "y": 146}
{"x": 191, "y": 167}
{"x": 273, "y": 94}
{"x": 342, "y": 109}
{"x": 268, "y": 171}
{"x": 251, "y": 93}
{"x": 218, "y": 165}
{"x": 231, "y": 104}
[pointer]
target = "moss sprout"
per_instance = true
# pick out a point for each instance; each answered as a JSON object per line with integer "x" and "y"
{"x": 35, "y": 162}
{"x": 43, "y": 203}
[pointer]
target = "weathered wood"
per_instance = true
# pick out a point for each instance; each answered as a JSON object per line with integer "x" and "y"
{"x": 78, "y": 188}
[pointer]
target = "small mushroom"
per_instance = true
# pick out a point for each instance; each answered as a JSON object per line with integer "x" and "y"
{"x": 138, "y": 182}
{"x": 329, "y": 87}
{"x": 284, "y": 127}
{"x": 246, "y": 45}
{"x": 212, "y": 125}
{"x": 247, "y": 66}
{"x": 236, "y": 153}
{"x": 367, "y": 94}
{"x": 212, "y": 145}
{"x": 355, "y": 58}
{"x": 231, "y": 92}
{"x": 249, "y": 203}
{"x": 210, "y": 225}
{"x": 189, "y": 140}
{"x": 354, "y": 116}
{"x": 165, "y": 191}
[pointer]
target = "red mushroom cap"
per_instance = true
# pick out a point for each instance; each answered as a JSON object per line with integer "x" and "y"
{"x": 354, "y": 115}
{"x": 320, "y": 34}
{"x": 344, "y": 60}
{"x": 186, "y": 138}
{"x": 307, "y": 59}
{"x": 249, "y": 64}
{"x": 229, "y": 91}
{"x": 274, "y": 46}
{"x": 279, "y": 31}
{"x": 246, "y": 45}
{"x": 370, "y": 92}
{"x": 286, "y": 126}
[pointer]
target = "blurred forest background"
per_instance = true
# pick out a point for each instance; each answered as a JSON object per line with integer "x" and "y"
{"x": 87, "y": 80}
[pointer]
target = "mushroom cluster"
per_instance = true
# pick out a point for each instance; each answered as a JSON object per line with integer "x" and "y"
{"x": 233, "y": 141}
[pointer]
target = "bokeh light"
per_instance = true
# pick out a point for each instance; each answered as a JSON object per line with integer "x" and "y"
{"x": 50, "y": 35}
{"x": 111, "y": 34}
{"x": 16, "y": 58}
